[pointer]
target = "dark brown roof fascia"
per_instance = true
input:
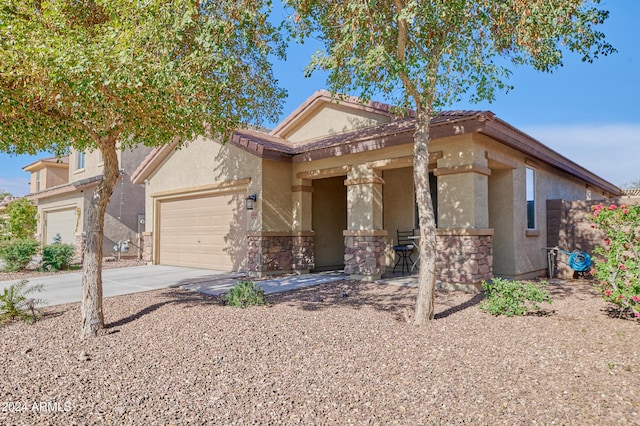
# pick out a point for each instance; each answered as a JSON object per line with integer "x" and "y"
{"x": 514, "y": 138}
{"x": 261, "y": 146}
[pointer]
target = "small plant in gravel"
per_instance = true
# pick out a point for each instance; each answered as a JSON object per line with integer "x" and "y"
{"x": 244, "y": 294}
{"x": 15, "y": 302}
{"x": 617, "y": 266}
{"x": 509, "y": 298}
{"x": 57, "y": 256}
{"x": 18, "y": 253}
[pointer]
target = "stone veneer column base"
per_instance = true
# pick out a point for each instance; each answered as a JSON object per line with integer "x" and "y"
{"x": 274, "y": 252}
{"x": 465, "y": 258}
{"x": 80, "y": 243}
{"x": 364, "y": 254}
{"x": 146, "y": 240}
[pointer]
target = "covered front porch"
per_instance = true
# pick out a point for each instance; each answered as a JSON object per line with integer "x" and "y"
{"x": 371, "y": 201}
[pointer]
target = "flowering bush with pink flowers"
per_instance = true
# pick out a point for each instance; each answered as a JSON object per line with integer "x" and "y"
{"x": 616, "y": 266}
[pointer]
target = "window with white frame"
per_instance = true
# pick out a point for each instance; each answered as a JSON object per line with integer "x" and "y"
{"x": 38, "y": 181}
{"x": 80, "y": 160}
{"x": 531, "y": 198}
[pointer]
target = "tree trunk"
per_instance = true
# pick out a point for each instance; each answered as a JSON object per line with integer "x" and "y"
{"x": 427, "y": 282}
{"x": 92, "y": 316}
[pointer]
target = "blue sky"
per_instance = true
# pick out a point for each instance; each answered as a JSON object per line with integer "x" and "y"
{"x": 589, "y": 113}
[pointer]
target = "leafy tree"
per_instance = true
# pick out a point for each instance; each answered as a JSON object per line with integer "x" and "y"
{"x": 108, "y": 74}
{"x": 632, "y": 184}
{"x": 21, "y": 218}
{"x": 4, "y": 194}
{"x": 429, "y": 54}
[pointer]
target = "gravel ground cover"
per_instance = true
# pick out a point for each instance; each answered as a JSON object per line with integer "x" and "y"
{"x": 340, "y": 353}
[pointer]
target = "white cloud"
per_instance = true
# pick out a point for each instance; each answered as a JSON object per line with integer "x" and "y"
{"x": 15, "y": 186}
{"x": 612, "y": 151}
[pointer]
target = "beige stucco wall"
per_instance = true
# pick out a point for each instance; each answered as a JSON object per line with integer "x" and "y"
{"x": 352, "y": 159}
{"x": 50, "y": 175}
{"x": 202, "y": 163}
{"x": 518, "y": 252}
{"x": 502, "y": 220}
{"x": 332, "y": 119}
{"x": 93, "y": 165}
{"x": 276, "y": 204}
{"x": 56, "y": 176}
{"x": 462, "y": 183}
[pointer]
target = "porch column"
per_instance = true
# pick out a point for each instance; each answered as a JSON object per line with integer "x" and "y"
{"x": 463, "y": 196}
{"x": 302, "y": 193}
{"x": 303, "y": 237}
{"x": 464, "y": 242}
{"x": 364, "y": 240}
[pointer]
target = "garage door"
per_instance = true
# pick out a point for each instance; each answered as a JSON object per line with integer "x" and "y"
{"x": 204, "y": 232}
{"x": 61, "y": 222}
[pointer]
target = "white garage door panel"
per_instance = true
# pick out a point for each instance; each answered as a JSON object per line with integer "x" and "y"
{"x": 61, "y": 222}
{"x": 203, "y": 232}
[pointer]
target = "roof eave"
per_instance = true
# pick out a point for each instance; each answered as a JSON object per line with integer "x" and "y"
{"x": 152, "y": 161}
{"x": 42, "y": 164}
{"x": 66, "y": 188}
{"x": 514, "y": 138}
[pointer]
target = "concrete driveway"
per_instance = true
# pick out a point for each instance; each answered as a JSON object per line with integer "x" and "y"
{"x": 67, "y": 288}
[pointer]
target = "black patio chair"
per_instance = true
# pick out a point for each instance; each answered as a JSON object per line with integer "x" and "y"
{"x": 404, "y": 249}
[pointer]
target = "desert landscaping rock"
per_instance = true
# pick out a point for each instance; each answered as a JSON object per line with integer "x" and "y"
{"x": 311, "y": 356}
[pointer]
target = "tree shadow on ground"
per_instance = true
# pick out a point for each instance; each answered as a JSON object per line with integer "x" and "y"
{"x": 615, "y": 312}
{"x": 574, "y": 289}
{"x": 396, "y": 300}
{"x": 173, "y": 296}
{"x": 475, "y": 300}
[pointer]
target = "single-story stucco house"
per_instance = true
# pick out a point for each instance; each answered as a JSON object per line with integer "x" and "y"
{"x": 333, "y": 183}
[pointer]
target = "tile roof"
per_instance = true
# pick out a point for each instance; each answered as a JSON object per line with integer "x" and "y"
{"x": 398, "y": 131}
{"x": 261, "y": 143}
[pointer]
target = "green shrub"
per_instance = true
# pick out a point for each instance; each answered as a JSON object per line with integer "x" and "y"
{"x": 244, "y": 294}
{"x": 18, "y": 253}
{"x": 15, "y": 303}
{"x": 57, "y": 256}
{"x": 509, "y": 298}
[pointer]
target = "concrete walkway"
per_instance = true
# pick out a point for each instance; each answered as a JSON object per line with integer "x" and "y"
{"x": 271, "y": 285}
{"x": 67, "y": 288}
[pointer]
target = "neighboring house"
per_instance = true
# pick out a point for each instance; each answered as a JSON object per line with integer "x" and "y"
{"x": 631, "y": 194}
{"x": 334, "y": 182}
{"x": 62, "y": 188}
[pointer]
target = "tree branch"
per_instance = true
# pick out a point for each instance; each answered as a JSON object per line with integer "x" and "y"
{"x": 401, "y": 53}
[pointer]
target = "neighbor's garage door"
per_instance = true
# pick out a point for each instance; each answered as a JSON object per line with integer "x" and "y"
{"x": 204, "y": 232}
{"x": 61, "y": 222}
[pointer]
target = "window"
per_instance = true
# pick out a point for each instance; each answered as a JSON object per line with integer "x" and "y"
{"x": 79, "y": 160}
{"x": 38, "y": 181}
{"x": 531, "y": 198}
